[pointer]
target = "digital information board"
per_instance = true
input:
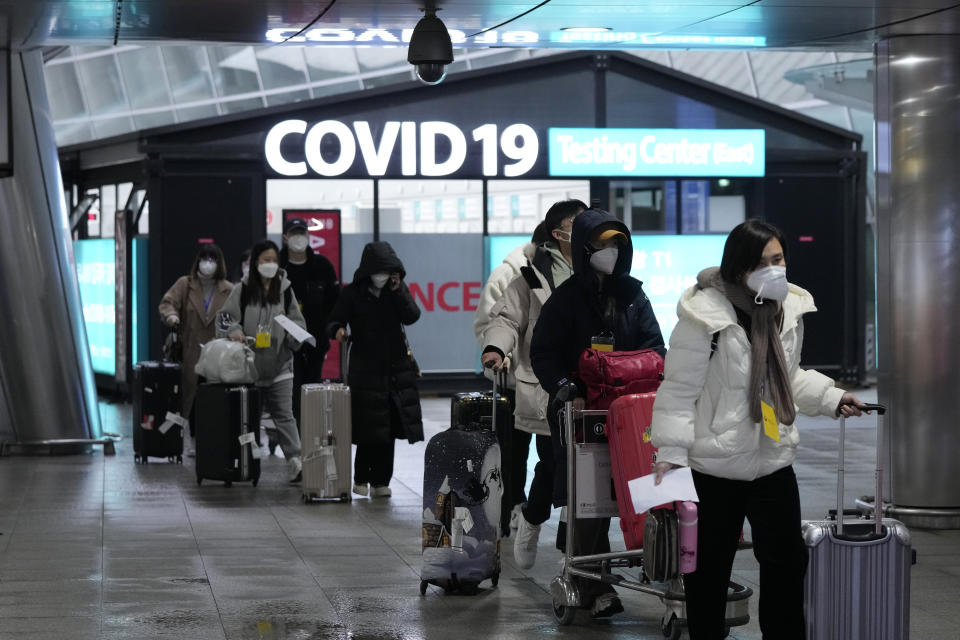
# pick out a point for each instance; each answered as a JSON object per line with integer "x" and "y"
{"x": 95, "y": 272}
{"x": 656, "y": 152}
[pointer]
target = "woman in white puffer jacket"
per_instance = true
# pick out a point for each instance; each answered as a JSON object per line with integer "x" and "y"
{"x": 726, "y": 408}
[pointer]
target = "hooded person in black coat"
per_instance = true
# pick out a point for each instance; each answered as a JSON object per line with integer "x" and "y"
{"x": 601, "y": 299}
{"x": 382, "y": 373}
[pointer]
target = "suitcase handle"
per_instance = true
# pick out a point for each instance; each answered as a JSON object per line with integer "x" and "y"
{"x": 878, "y": 497}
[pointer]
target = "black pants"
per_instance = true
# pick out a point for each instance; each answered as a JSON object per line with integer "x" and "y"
{"x": 772, "y": 505}
{"x": 373, "y": 464}
{"x": 307, "y": 369}
{"x": 540, "y": 498}
{"x": 519, "y": 452}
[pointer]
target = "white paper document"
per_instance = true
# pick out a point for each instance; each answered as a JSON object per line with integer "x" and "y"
{"x": 677, "y": 485}
{"x": 297, "y": 333}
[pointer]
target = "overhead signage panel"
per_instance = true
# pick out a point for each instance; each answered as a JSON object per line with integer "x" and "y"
{"x": 586, "y": 152}
{"x": 573, "y": 39}
{"x": 331, "y": 148}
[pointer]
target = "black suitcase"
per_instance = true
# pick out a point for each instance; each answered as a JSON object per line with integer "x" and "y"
{"x": 157, "y": 423}
{"x": 476, "y": 408}
{"x": 226, "y": 415}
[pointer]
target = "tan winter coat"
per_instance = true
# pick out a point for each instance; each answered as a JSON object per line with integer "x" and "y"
{"x": 185, "y": 300}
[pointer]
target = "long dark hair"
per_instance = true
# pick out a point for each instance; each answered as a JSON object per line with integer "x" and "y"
{"x": 254, "y": 291}
{"x": 744, "y": 248}
{"x": 212, "y": 252}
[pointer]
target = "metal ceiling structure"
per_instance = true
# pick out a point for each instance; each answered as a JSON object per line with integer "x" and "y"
{"x": 824, "y": 24}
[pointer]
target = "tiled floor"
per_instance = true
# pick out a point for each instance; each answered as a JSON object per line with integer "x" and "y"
{"x": 96, "y": 547}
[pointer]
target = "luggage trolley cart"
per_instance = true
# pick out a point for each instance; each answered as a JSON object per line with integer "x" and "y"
{"x": 608, "y": 567}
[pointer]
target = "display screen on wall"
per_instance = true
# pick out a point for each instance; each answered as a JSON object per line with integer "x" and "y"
{"x": 656, "y": 152}
{"x": 95, "y": 273}
{"x": 667, "y": 265}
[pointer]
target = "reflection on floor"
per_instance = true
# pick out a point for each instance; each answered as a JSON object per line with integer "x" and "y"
{"x": 95, "y": 547}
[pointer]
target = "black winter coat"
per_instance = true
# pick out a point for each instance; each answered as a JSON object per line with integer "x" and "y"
{"x": 317, "y": 288}
{"x": 382, "y": 377}
{"x": 582, "y": 308}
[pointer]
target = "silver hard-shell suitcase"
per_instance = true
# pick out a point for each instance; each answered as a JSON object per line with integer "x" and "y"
{"x": 326, "y": 436}
{"x": 857, "y": 585}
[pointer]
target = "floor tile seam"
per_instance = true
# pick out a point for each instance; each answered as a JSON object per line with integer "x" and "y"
{"x": 19, "y": 509}
{"x": 203, "y": 565}
{"x": 103, "y": 520}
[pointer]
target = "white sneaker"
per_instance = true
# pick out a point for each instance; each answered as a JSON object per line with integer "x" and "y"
{"x": 361, "y": 489}
{"x": 515, "y": 516}
{"x": 382, "y": 492}
{"x": 294, "y": 469}
{"x": 525, "y": 544}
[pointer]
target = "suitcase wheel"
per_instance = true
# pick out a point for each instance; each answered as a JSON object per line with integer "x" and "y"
{"x": 136, "y": 459}
{"x": 199, "y": 481}
{"x": 423, "y": 587}
{"x": 228, "y": 484}
{"x": 345, "y": 497}
{"x": 495, "y": 579}
{"x": 179, "y": 459}
{"x": 671, "y": 628}
{"x": 564, "y": 614}
{"x": 255, "y": 481}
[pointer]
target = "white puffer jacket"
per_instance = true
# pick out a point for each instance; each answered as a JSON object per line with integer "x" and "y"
{"x": 510, "y": 330}
{"x": 497, "y": 283}
{"x": 701, "y": 418}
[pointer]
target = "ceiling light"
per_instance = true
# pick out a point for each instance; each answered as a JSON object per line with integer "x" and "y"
{"x": 586, "y": 29}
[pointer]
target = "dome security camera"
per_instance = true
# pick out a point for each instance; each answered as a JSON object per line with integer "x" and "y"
{"x": 430, "y": 49}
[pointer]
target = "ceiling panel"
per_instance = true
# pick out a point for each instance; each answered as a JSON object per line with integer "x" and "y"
{"x": 709, "y": 24}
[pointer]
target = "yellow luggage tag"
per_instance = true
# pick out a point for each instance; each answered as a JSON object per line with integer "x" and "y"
{"x": 770, "y": 426}
{"x": 263, "y": 337}
{"x": 602, "y": 343}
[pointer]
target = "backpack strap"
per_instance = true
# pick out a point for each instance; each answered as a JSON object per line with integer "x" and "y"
{"x": 530, "y": 277}
{"x": 713, "y": 344}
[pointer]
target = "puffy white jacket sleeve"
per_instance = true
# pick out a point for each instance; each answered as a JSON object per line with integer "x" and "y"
{"x": 814, "y": 393}
{"x": 496, "y": 285}
{"x": 685, "y": 372}
{"x": 509, "y": 318}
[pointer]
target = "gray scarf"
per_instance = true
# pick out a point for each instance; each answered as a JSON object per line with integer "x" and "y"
{"x": 768, "y": 365}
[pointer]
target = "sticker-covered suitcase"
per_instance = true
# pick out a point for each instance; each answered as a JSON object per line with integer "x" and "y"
{"x": 326, "y": 435}
{"x": 227, "y": 420}
{"x": 477, "y": 408}
{"x": 462, "y": 492}
{"x": 857, "y": 585}
{"x": 157, "y": 423}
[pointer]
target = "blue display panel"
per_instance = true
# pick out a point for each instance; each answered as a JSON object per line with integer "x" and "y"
{"x": 667, "y": 265}
{"x": 656, "y": 152}
{"x": 95, "y": 273}
{"x": 140, "y": 301}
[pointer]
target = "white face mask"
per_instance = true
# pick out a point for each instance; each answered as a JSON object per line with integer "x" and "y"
{"x": 245, "y": 269}
{"x": 770, "y": 283}
{"x": 604, "y": 260}
{"x": 298, "y": 243}
{"x": 207, "y": 268}
{"x": 379, "y": 279}
{"x": 268, "y": 269}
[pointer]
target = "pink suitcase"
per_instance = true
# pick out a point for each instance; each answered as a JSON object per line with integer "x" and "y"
{"x": 631, "y": 455}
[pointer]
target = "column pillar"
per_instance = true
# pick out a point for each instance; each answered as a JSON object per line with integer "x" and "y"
{"x": 918, "y": 269}
{"x": 45, "y": 366}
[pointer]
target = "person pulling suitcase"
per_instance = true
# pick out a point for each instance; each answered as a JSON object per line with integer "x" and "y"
{"x": 730, "y": 416}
